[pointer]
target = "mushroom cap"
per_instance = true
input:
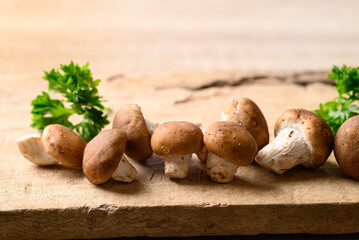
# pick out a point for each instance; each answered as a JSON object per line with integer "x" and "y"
{"x": 316, "y": 131}
{"x": 129, "y": 118}
{"x": 63, "y": 144}
{"x": 177, "y": 138}
{"x": 103, "y": 154}
{"x": 248, "y": 114}
{"x": 346, "y": 148}
{"x": 232, "y": 142}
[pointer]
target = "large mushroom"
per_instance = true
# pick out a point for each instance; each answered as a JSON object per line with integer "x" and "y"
{"x": 63, "y": 144}
{"x": 176, "y": 141}
{"x": 103, "y": 158}
{"x": 346, "y": 147}
{"x": 301, "y": 137}
{"x": 245, "y": 112}
{"x": 129, "y": 118}
{"x": 229, "y": 146}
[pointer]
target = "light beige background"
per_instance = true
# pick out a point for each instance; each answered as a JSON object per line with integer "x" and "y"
{"x": 159, "y": 37}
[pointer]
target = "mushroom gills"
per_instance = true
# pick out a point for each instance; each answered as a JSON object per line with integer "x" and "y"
{"x": 220, "y": 170}
{"x": 286, "y": 151}
{"x": 151, "y": 126}
{"x": 125, "y": 171}
{"x": 32, "y": 148}
{"x": 177, "y": 166}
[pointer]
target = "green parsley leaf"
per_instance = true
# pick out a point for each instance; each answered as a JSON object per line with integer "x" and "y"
{"x": 80, "y": 95}
{"x": 345, "y": 106}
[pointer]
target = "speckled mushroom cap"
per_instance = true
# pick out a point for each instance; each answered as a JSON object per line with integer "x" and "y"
{"x": 346, "y": 148}
{"x": 63, "y": 144}
{"x": 232, "y": 142}
{"x": 103, "y": 154}
{"x": 248, "y": 114}
{"x": 316, "y": 131}
{"x": 177, "y": 138}
{"x": 129, "y": 118}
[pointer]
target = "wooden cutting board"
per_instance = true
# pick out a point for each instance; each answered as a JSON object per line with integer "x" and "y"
{"x": 59, "y": 202}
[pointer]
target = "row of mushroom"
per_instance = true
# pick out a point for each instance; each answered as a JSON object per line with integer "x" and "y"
{"x": 301, "y": 137}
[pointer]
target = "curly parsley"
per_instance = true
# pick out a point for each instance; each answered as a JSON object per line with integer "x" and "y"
{"x": 79, "y": 91}
{"x": 337, "y": 111}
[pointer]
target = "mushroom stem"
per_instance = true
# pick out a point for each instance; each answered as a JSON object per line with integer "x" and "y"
{"x": 286, "y": 151}
{"x": 220, "y": 170}
{"x": 151, "y": 126}
{"x": 177, "y": 166}
{"x": 125, "y": 171}
{"x": 32, "y": 148}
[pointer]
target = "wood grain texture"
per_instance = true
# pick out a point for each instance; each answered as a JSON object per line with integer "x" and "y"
{"x": 179, "y": 60}
{"x": 38, "y": 202}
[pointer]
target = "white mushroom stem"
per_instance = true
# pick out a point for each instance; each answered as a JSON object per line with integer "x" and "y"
{"x": 125, "y": 171}
{"x": 151, "y": 126}
{"x": 286, "y": 151}
{"x": 32, "y": 148}
{"x": 220, "y": 170}
{"x": 177, "y": 166}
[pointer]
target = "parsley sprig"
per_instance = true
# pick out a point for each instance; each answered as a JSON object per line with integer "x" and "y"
{"x": 345, "y": 106}
{"x": 79, "y": 92}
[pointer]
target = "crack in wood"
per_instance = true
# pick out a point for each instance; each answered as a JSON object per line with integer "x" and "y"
{"x": 299, "y": 78}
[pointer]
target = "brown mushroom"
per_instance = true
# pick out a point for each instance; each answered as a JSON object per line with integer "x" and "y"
{"x": 302, "y": 137}
{"x": 64, "y": 145}
{"x": 346, "y": 147}
{"x": 245, "y": 112}
{"x": 229, "y": 146}
{"x": 129, "y": 118}
{"x": 103, "y": 158}
{"x": 176, "y": 141}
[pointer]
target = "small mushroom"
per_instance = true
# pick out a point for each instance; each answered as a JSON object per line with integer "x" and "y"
{"x": 32, "y": 149}
{"x": 346, "y": 147}
{"x": 302, "y": 137}
{"x": 129, "y": 118}
{"x": 176, "y": 141}
{"x": 64, "y": 145}
{"x": 103, "y": 158}
{"x": 245, "y": 112}
{"x": 229, "y": 146}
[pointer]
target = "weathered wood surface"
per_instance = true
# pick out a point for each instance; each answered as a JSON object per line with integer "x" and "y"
{"x": 164, "y": 55}
{"x": 59, "y": 202}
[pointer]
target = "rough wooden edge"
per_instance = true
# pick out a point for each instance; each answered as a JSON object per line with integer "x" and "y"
{"x": 107, "y": 221}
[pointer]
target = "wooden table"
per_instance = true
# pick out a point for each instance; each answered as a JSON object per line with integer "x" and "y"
{"x": 178, "y": 61}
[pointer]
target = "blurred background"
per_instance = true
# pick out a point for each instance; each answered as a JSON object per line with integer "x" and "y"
{"x": 158, "y": 37}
